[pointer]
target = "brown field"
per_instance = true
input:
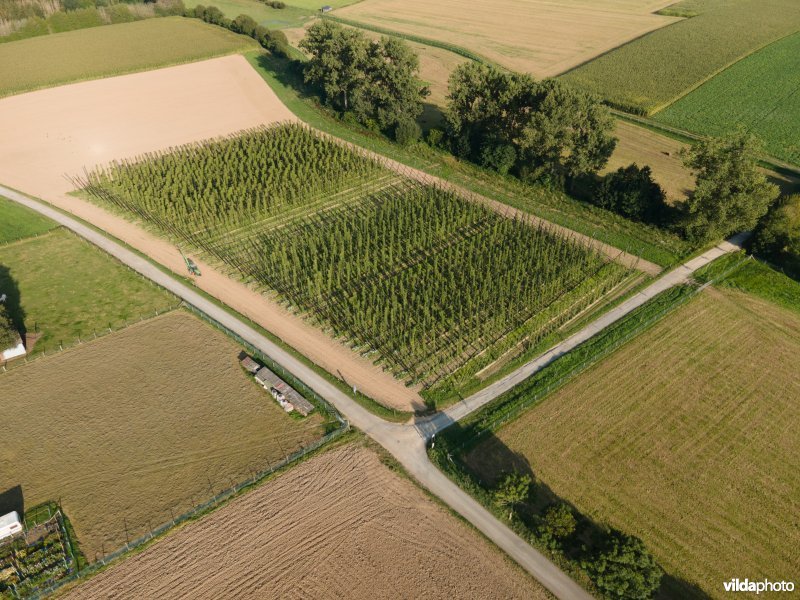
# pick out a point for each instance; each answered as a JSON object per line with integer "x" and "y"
{"x": 537, "y": 36}
{"x": 687, "y": 437}
{"x": 118, "y": 117}
{"x": 644, "y": 147}
{"x": 145, "y": 421}
{"x": 341, "y": 525}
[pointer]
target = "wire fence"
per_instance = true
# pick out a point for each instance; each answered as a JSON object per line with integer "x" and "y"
{"x": 42, "y": 351}
{"x": 500, "y": 416}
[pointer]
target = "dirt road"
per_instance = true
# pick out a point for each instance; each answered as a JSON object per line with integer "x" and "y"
{"x": 407, "y": 443}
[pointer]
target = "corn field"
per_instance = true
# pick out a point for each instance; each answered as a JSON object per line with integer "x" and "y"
{"x": 426, "y": 283}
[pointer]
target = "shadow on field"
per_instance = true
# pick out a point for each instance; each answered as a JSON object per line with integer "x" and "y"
{"x": 8, "y": 286}
{"x": 491, "y": 460}
{"x": 12, "y": 500}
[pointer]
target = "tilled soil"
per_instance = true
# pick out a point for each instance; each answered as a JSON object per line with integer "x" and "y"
{"x": 341, "y": 525}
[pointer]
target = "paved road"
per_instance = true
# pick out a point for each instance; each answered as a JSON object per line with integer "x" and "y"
{"x": 406, "y": 443}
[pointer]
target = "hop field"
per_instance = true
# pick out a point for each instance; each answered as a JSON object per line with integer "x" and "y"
{"x": 430, "y": 285}
{"x": 761, "y": 93}
{"x": 657, "y": 69}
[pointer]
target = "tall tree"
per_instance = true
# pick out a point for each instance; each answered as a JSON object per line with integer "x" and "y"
{"x": 777, "y": 236}
{"x": 337, "y": 61}
{"x": 509, "y": 121}
{"x": 625, "y": 569}
{"x": 376, "y": 81}
{"x": 8, "y": 335}
{"x": 391, "y": 92}
{"x": 731, "y": 193}
{"x": 512, "y": 491}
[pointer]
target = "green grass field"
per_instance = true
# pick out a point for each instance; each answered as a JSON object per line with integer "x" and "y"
{"x": 761, "y": 93}
{"x": 683, "y": 437}
{"x": 17, "y": 222}
{"x": 68, "y": 288}
{"x": 111, "y": 50}
{"x": 267, "y": 16}
{"x": 657, "y": 69}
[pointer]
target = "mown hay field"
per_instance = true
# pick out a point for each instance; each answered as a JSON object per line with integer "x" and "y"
{"x": 760, "y": 93}
{"x": 659, "y": 68}
{"x": 138, "y": 426}
{"x": 536, "y": 36}
{"x": 66, "y": 289}
{"x": 17, "y": 222}
{"x": 686, "y": 437}
{"x": 341, "y": 525}
{"x": 111, "y": 50}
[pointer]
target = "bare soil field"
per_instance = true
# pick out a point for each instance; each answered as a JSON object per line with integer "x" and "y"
{"x": 137, "y": 426}
{"x": 686, "y": 437}
{"x": 126, "y": 116}
{"x": 537, "y": 36}
{"x": 341, "y": 525}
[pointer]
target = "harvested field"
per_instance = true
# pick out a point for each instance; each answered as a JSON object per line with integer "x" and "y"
{"x": 111, "y": 50}
{"x": 139, "y": 425}
{"x": 544, "y": 38}
{"x": 760, "y": 93}
{"x": 116, "y": 119}
{"x": 341, "y": 525}
{"x": 67, "y": 289}
{"x": 659, "y": 68}
{"x": 686, "y": 437}
{"x": 644, "y": 147}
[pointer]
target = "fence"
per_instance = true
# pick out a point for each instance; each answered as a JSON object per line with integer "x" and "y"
{"x": 502, "y": 416}
{"x": 42, "y": 351}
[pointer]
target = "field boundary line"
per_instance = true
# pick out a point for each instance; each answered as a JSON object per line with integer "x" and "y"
{"x": 196, "y": 511}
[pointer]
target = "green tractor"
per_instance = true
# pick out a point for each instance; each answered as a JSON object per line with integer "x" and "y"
{"x": 190, "y": 264}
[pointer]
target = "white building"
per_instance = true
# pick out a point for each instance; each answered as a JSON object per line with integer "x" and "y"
{"x": 13, "y": 352}
{"x": 10, "y": 525}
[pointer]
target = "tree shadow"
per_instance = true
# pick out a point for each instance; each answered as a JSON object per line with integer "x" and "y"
{"x": 9, "y": 287}
{"x": 288, "y": 72}
{"x": 12, "y": 500}
{"x": 432, "y": 117}
{"x": 492, "y": 460}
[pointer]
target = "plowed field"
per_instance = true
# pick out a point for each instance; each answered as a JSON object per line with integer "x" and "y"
{"x": 341, "y": 525}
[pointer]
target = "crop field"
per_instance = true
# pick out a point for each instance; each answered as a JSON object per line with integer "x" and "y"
{"x": 54, "y": 284}
{"x": 429, "y": 284}
{"x": 17, "y": 222}
{"x": 685, "y": 437}
{"x": 138, "y": 426}
{"x": 543, "y": 38}
{"x": 111, "y": 50}
{"x": 659, "y": 68}
{"x": 760, "y": 93}
{"x": 375, "y": 535}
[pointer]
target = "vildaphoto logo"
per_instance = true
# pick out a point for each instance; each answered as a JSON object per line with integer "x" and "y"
{"x": 758, "y": 587}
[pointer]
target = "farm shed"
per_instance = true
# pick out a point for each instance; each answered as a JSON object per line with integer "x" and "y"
{"x": 326, "y": 9}
{"x": 10, "y": 524}
{"x": 249, "y": 364}
{"x": 270, "y": 380}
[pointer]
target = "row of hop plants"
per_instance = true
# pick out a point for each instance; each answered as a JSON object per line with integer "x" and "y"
{"x": 412, "y": 272}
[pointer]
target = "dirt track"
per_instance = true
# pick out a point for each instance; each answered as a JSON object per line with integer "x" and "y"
{"x": 126, "y": 116}
{"x": 341, "y": 525}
